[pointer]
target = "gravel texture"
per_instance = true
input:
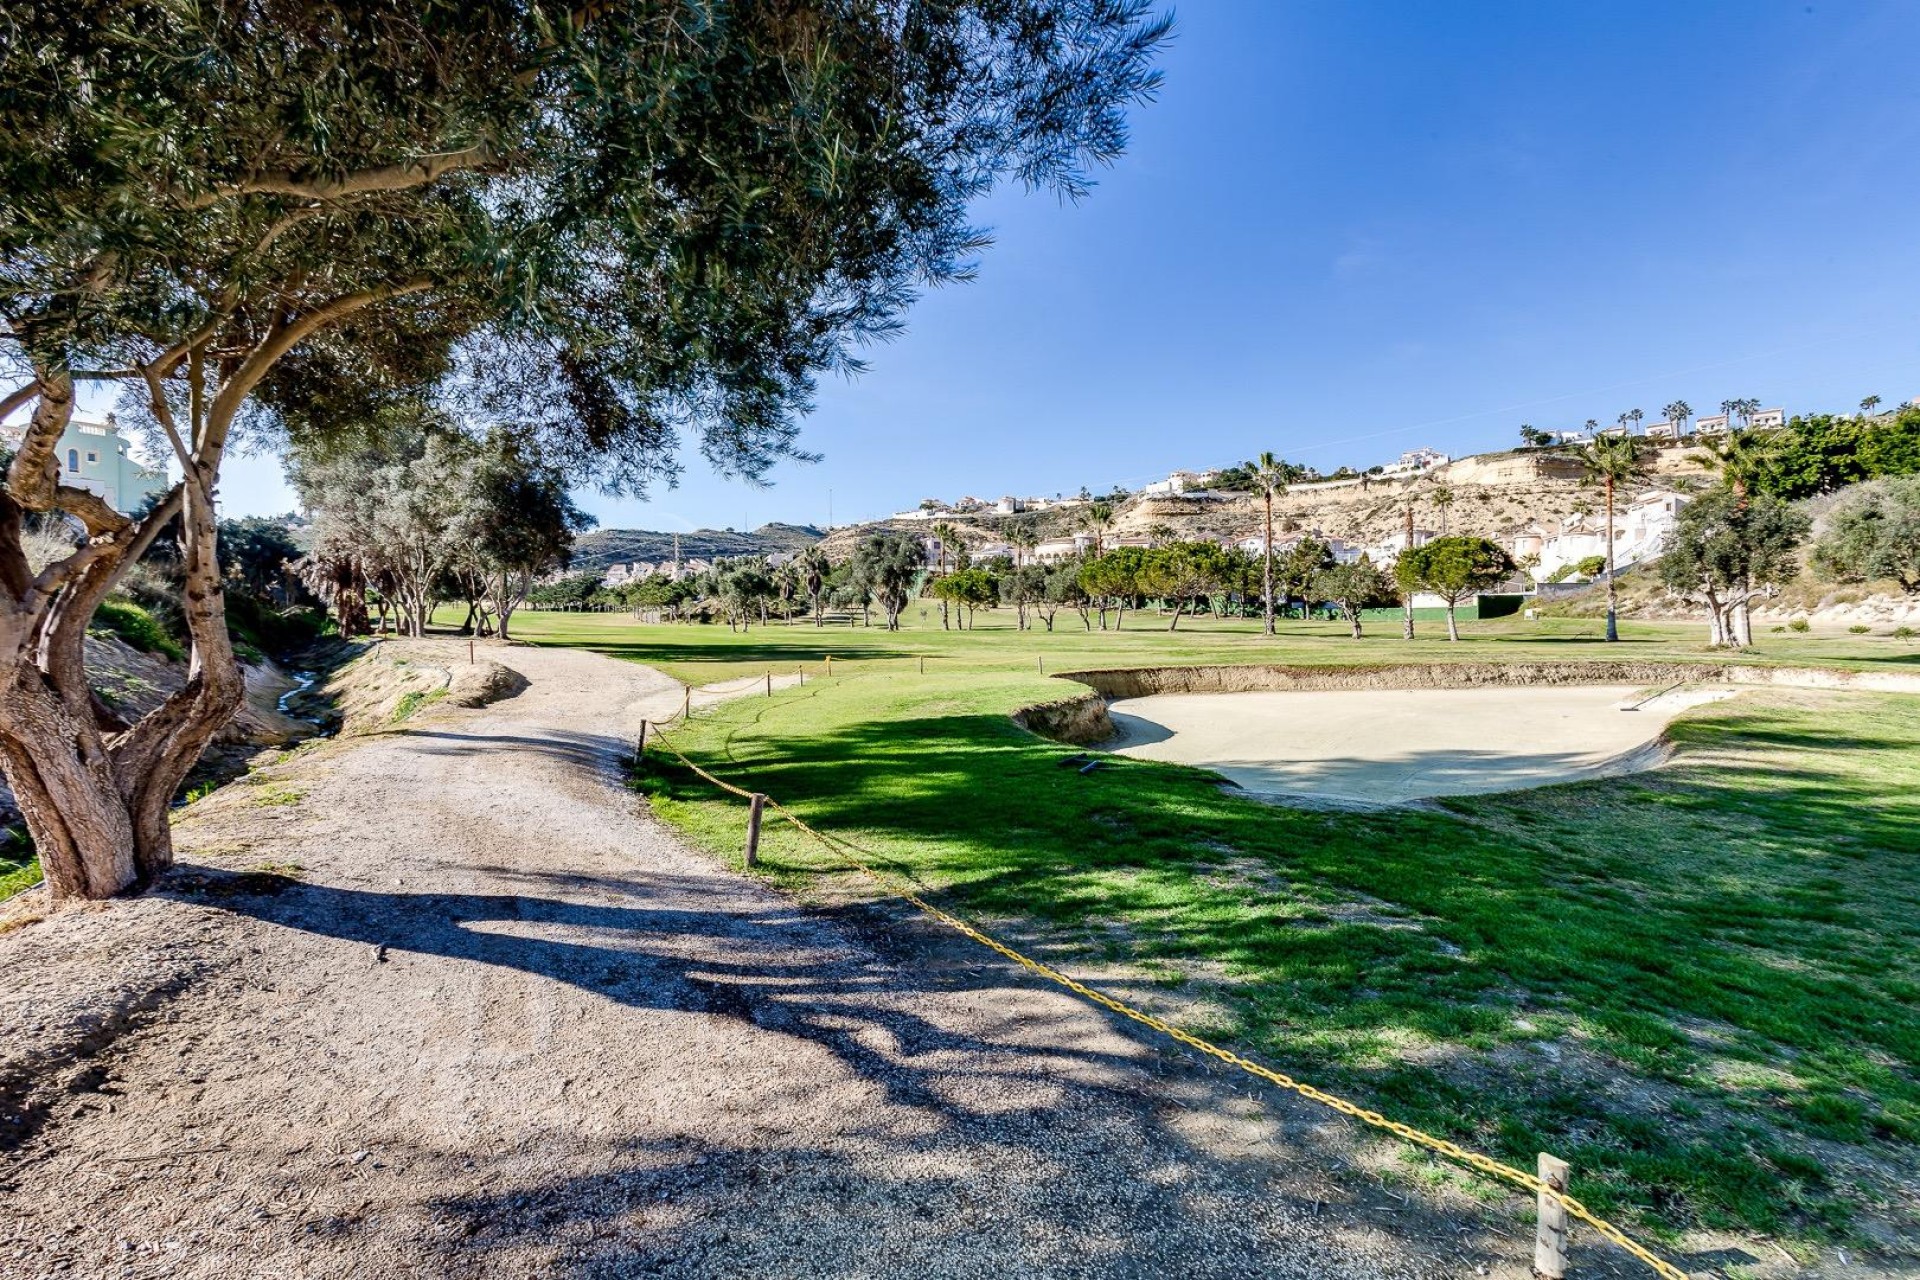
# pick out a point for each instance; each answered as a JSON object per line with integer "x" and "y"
{"x": 445, "y": 1001}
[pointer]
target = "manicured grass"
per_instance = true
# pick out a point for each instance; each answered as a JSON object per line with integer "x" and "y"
{"x": 1701, "y": 986}
{"x": 710, "y": 652}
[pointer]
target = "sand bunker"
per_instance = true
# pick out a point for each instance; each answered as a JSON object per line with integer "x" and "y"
{"x": 1387, "y": 746}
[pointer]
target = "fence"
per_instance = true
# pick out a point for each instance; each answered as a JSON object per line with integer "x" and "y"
{"x": 1554, "y": 1205}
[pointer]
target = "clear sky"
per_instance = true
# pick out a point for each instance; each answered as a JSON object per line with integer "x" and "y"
{"x": 1348, "y": 229}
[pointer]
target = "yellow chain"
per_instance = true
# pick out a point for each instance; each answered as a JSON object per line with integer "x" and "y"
{"x": 1440, "y": 1146}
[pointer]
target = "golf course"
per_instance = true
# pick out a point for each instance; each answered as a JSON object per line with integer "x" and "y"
{"x": 1698, "y": 983}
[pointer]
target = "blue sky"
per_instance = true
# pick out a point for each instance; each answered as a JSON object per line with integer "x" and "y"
{"x": 1348, "y": 229}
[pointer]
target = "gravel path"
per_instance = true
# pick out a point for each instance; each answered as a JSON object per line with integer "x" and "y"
{"x": 499, "y": 1022}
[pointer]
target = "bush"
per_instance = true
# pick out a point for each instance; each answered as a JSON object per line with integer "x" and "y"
{"x": 1904, "y": 633}
{"x": 1800, "y": 624}
{"x": 256, "y": 624}
{"x": 137, "y": 627}
{"x": 1858, "y": 630}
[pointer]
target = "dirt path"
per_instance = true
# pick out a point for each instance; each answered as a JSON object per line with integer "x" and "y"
{"x": 501, "y": 1023}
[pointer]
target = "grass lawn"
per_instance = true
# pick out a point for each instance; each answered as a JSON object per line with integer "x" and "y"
{"x": 1701, "y": 985}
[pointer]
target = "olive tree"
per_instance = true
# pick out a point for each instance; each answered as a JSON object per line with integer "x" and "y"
{"x": 1453, "y": 569}
{"x": 1874, "y": 532}
{"x": 1728, "y": 549}
{"x": 620, "y": 224}
{"x": 1351, "y": 588}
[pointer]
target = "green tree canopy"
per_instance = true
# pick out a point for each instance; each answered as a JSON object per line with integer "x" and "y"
{"x": 1453, "y": 569}
{"x": 1874, "y": 532}
{"x": 1727, "y": 548}
{"x": 617, "y": 224}
{"x": 1354, "y": 587}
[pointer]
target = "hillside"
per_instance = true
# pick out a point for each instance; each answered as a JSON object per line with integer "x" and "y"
{"x": 1492, "y": 495}
{"x": 604, "y": 547}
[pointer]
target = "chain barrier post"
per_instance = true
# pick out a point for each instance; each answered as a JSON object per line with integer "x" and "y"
{"x": 769, "y": 684}
{"x": 686, "y": 705}
{"x": 1550, "y": 1230}
{"x": 640, "y": 748}
{"x": 755, "y": 804}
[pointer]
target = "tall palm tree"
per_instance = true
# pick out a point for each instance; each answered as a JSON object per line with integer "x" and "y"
{"x": 1868, "y": 405}
{"x": 1096, "y": 518}
{"x": 1023, "y": 538}
{"x": 947, "y": 535}
{"x": 1740, "y": 412}
{"x": 814, "y": 568}
{"x": 1678, "y": 413}
{"x": 1613, "y": 460}
{"x": 1443, "y": 498}
{"x": 1633, "y": 417}
{"x": 1742, "y": 456}
{"x": 1271, "y": 474}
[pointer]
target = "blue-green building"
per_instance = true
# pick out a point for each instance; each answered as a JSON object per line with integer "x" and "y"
{"x": 94, "y": 455}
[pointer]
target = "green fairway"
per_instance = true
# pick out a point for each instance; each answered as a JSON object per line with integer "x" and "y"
{"x": 705, "y": 653}
{"x": 1699, "y": 985}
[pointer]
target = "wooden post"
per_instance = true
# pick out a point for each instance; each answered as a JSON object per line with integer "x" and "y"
{"x": 829, "y": 664}
{"x": 769, "y": 684}
{"x": 1040, "y": 664}
{"x": 686, "y": 705}
{"x": 1550, "y": 1232}
{"x": 754, "y": 805}
{"x": 800, "y": 676}
{"x": 640, "y": 751}
{"x": 923, "y": 664}
{"x": 469, "y": 652}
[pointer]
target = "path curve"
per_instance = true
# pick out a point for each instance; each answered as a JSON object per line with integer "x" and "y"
{"x": 503, "y": 1023}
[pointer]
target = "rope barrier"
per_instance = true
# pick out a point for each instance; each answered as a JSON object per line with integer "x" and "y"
{"x": 1440, "y": 1146}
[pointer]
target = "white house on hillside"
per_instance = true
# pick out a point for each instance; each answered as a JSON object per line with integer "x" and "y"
{"x": 1640, "y": 530}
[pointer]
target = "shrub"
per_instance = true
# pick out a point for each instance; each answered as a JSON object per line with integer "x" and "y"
{"x": 137, "y": 627}
{"x": 1904, "y": 633}
{"x": 1858, "y": 630}
{"x": 1800, "y": 625}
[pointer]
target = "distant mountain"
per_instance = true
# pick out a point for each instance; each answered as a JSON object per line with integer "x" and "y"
{"x": 604, "y": 547}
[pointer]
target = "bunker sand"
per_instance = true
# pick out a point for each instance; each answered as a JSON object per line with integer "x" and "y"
{"x": 1391, "y": 746}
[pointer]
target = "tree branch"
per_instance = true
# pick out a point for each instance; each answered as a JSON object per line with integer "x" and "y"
{"x": 389, "y": 177}
{"x": 282, "y": 338}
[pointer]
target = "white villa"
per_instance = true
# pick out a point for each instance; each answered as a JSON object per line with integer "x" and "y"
{"x": 1640, "y": 529}
{"x": 1414, "y": 461}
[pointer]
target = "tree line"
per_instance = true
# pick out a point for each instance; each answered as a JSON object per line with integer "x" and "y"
{"x": 885, "y": 572}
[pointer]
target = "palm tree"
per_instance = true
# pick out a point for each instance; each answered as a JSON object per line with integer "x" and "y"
{"x": 1270, "y": 473}
{"x": 814, "y": 568}
{"x": 1742, "y": 456}
{"x": 1632, "y": 418}
{"x": 1740, "y": 411}
{"x": 1868, "y": 405}
{"x": 1611, "y": 461}
{"x": 1531, "y": 436}
{"x": 946, "y": 535}
{"x": 1678, "y": 414}
{"x": 1443, "y": 498}
{"x": 1023, "y": 538}
{"x": 1096, "y": 519}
